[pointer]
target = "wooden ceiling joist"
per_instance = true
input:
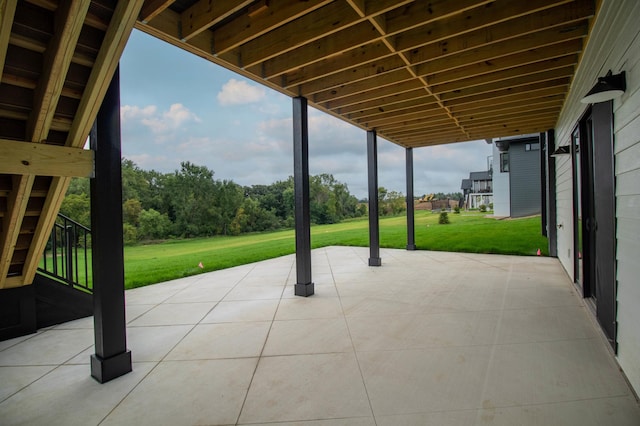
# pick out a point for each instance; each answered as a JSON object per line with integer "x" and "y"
{"x": 153, "y": 8}
{"x": 506, "y": 74}
{"x": 7, "y": 12}
{"x": 69, "y": 19}
{"x": 512, "y": 107}
{"x": 419, "y": 73}
{"x": 246, "y": 27}
{"x": 494, "y": 51}
{"x": 511, "y": 84}
{"x": 206, "y": 13}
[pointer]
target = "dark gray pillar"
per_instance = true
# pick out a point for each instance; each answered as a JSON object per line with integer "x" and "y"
{"x": 112, "y": 359}
{"x": 544, "y": 188}
{"x": 304, "y": 285}
{"x": 552, "y": 229}
{"x": 411, "y": 229}
{"x": 374, "y": 228}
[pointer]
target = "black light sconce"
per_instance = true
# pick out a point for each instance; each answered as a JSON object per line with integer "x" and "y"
{"x": 562, "y": 150}
{"x": 607, "y": 88}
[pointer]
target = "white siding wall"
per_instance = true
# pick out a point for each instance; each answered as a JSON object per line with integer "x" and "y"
{"x": 614, "y": 44}
{"x": 501, "y": 196}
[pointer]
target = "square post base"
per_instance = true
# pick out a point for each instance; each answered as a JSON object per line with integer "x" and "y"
{"x": 375, "y": 261}
{"x": 304, "y": 290}
{"x": 411, "y": 247}
{"x": 104, "y": 370}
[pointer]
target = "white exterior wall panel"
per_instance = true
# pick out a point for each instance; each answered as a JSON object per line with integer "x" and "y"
{"x": 501, "y": 194}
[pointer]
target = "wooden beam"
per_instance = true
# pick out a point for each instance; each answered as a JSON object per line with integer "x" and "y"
{"x": 515, "y": 117}
{"x": 24, "y": 158}
{"x": 445, "y": 22}
{"x": 153, "y": 8}
{"x": 553, "y": 51}
{"x": 353, "y": 88}
{"x": 507, "y": 74}
{"x": 517, "y": 106}
{"x": 370, "y": 52}
{"x": 510, "y": 84}
{"x": 411, "y": 105}
{"x": 412, "y": 125}
{"x": 373, "y": 94}
{"x": 408, "y": 119}
{"x": 485, "y": 24}
{"x": 311, "y": 27}
{"x": 337, "y": 43}
{"x": 68, "y": 21}
{"x": 246, "y": 28}
{"x": 11, "y": 222}
{"x": 7, "y": 11}
{"x": 353, "y": 75}
{"x": 113, "y": 44}
{"x": 490, "y": 52}
{"x": 400, "y": 19}
{"x": 41, "y": 47}
{"x": 422, "y": 14}
{"x": 120, "y": 27}
{"x": 206, "y": 13}
{"x": 540, "y": 91}
{"x": 436, "y": 129}
{"x": 387, "y": 101}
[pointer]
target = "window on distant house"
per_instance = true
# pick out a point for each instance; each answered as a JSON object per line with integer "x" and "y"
{"x": 504, "y": 162}
{"x": 532, "y": 146}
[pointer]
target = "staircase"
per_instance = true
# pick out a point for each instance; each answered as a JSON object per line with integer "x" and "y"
{"x": 63, "y": 283}
{"x": 56, "y": 61}
{"x": 62, "y": 286}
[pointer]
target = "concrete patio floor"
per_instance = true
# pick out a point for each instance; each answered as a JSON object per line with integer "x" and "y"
{"x": 429, "y": 338}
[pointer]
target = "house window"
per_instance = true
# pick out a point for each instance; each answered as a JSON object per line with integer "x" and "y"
{"x": 532, "y": 146}
{"x": 504, "y": 162}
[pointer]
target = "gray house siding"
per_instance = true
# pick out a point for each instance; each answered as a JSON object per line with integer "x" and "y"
{"x": 616, "y": 50}
{"x": 524, "y": 181}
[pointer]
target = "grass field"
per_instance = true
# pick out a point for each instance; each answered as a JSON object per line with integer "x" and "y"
{"x": 467, "y": 232}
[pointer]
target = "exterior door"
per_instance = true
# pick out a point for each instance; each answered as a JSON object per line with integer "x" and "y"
{"x": 594, "y": 213}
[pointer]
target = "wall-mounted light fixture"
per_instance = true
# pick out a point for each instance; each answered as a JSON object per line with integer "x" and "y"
{"x": 561, "y": 150}
{"x": 607, "y": 88}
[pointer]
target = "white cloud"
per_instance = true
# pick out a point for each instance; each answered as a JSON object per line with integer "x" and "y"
{"x": 134, "y": 112}
{"x": 238, "y": 92}
{"x": 159, "y": 122}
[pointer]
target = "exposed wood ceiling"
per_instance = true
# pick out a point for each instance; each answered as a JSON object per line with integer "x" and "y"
{"x": 418, "y": 72}
{"x": 57, "y": 59}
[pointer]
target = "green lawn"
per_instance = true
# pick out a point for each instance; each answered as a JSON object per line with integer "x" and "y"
{"x": 467, "y": 232}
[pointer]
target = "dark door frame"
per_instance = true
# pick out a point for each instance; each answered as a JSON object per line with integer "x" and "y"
{"x": 597, "y": 277}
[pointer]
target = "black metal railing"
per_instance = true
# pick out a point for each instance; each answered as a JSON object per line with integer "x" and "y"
{"x": 67, "y": 256}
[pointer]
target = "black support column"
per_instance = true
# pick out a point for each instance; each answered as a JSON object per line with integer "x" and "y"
{"x": 304, "y": 286}
{"x": 411, "y": 230}
{"x": 112, "y": 359}
{"x": 552, "y": 229}
{"x": 374, "y": 228}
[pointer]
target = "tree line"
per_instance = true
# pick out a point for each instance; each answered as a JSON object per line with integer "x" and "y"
{"x": 190, "y": 203}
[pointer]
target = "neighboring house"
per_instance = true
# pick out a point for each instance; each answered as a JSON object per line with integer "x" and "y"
{"x": 516, "y": 181}
{"x": 477, "y": 190}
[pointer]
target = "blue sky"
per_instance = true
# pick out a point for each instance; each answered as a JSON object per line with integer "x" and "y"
{"x": 178, "y": 107}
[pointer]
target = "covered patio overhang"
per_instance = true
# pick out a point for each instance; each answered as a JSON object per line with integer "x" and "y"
{"x": 415, "y": 73}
